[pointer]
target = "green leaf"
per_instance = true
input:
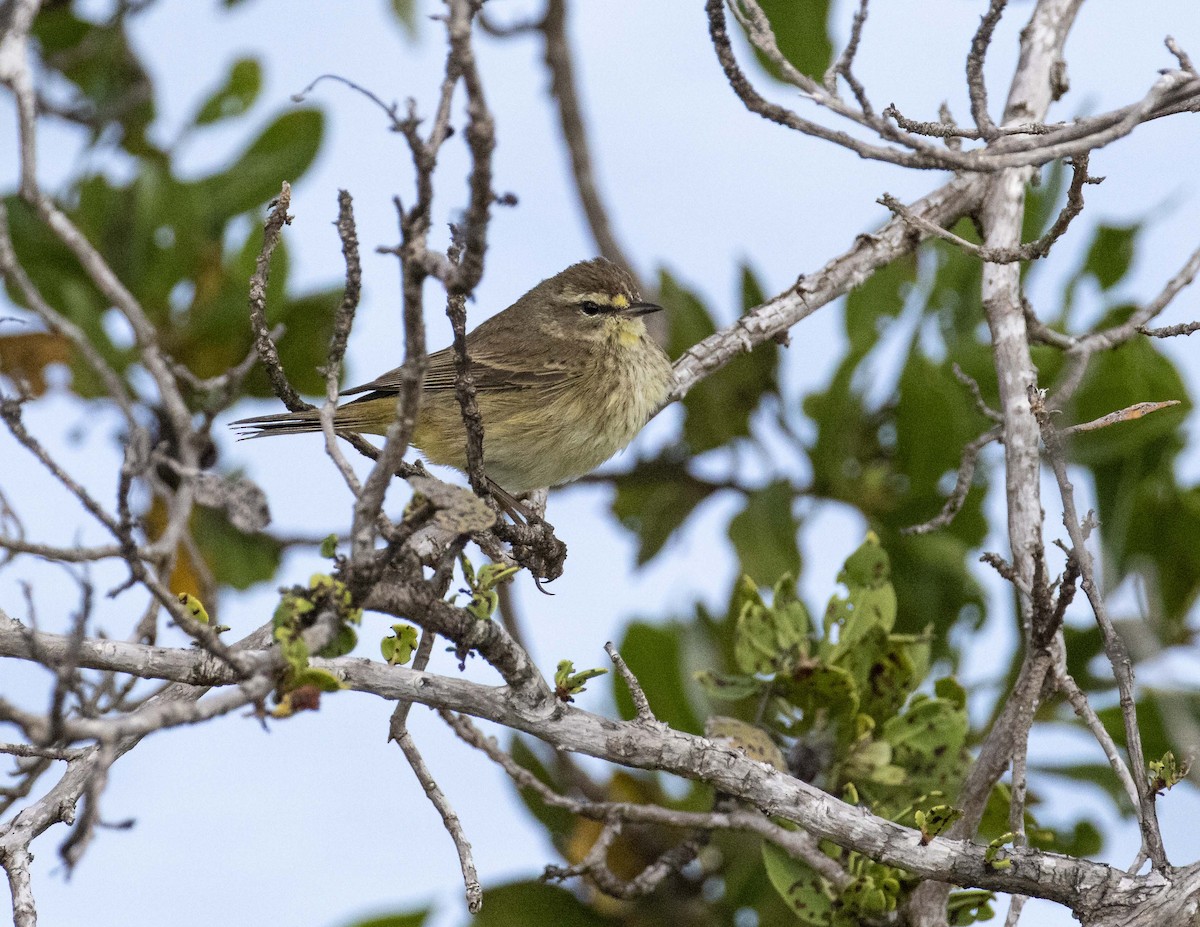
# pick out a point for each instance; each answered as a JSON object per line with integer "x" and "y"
{"x": 871, "y": 602}
{"x": 1111, "y": 254}
{"x": 398, "y": 648}
{"x": 928, "y": 741}
{"x": 235, "y": 96}
{"x": 319, "y": 678}
{"x": 806, "y": 893}
{"x": 194, "y": 607}
{"x": 728, "y": 687}
{"x": 973, "y": 905}
{"x": 885, "y": 671}
{"x": 792, "y": 621}
{"x": 343, "y": 642}
{"x": 821, "y": 690}
{"x": 567, "y": 682}
{"x": 284, "y": 151}
{"x": 801, "y": 32}
{"x": 513, "y": 903}
{"x": 764, "y": 534}
{"x": 755, "y": 646}
{"x": 406, "y": 919}
{"x": 406, "y": 12}
{"x": 719, "y": 407}
{"x": 876, "y": 302}
{"x": 236, "y": 559}
{"x": 99, "y": 60}
{"x": 654, "y": 500}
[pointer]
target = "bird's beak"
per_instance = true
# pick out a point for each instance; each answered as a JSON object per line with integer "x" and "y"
{"x": 636, "y": 309}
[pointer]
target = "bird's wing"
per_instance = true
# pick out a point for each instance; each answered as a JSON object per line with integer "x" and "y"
{"x": 490, "y": 373}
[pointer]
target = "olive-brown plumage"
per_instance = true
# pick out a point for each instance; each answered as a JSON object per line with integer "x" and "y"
{"x": 565, "y": 377}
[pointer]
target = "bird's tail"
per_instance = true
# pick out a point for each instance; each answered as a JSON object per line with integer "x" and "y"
{"x": 371, "y": 414}
{"x": 283, "y": 423}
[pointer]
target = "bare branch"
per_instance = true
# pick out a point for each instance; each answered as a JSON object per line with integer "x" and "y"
{"x": 962, "y": 485}
{"x": 868, "y": 253}
{"x": 844, "y": 65}
{"x": 1171, "y": 331}
{"x": 1030, "y": 251}
{"x": 267, "y": 352}
{"x": 450, "y": 819}
{"x": 1129, "y": 414}
{"x": 1114, "y": 647}
{"x": 11, "y": 270}
{"x": 976, "y": 86}
{"x": 1087, "y": 714}
{"x": 1185, "y": 63}
{"x": 640, "y": 702}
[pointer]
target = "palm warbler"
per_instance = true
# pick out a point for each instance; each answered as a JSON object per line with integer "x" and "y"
{"x": 565, "y": 377}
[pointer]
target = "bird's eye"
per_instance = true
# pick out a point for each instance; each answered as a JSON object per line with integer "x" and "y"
{"x": 590, "y": 307}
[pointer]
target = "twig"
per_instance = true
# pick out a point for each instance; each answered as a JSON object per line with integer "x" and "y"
{"x": 1079, "y": 354}
{"x": 976, "y": 86}
{"x": 12, "y": 271}
{"x": 1114, "y": 647}
{"x": 417, "y": 262}
{"x": 481, "y": 142}
{"x": 845, "y": 63}
{"x": 813, "y": 291}
{"x": 10, "y": 412}
{"x": 640, "y": 702}
{"x": 1079, "y": 702}
{"x": 1171, "y": 331}
{"x": 948, "y": 129}
{"x": 343, "y": 322}
{"x": 1176, "y": 91}
{"x": 976, "y": 393}
{"x": 797, "y": 843}
{"x": 267, "y": 352}
{"x": 1129, "y": 414}
{"x": 1030, "y": 251}
{"x": 962, "y": 485}
{"x": 48, "y": 753}
{"x": 595, "y": 865}
{"x": 450, "y": 820}
{"x": 392, "y": 109}
{"x": 464, "y": 379}
{"x": 1185, "y": 63}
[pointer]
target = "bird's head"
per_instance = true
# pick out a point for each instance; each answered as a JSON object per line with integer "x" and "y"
{"x": 592, "y": 301}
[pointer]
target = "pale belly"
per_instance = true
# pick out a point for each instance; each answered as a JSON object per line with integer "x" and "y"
{"x": 560, "y": 434}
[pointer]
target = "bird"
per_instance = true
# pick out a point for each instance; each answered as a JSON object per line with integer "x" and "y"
{"x": 565, "y": 378}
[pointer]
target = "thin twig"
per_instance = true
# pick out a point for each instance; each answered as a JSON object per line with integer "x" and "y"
{"x": 450, "y": 819}
{"x": 1128, "y": 414}
{"x": 640, "y": 702}
{"x": 845, "y": 63}
{"x": 1171, "y": 331}
{"x": 1114, "y": 647}
{"x": 962, "y": 485}
{"x": 1079, "y": 702}
{"x": 1030, "y": 251}
{"x": 976, "y": 85}
{"x": 267, "y": 352}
